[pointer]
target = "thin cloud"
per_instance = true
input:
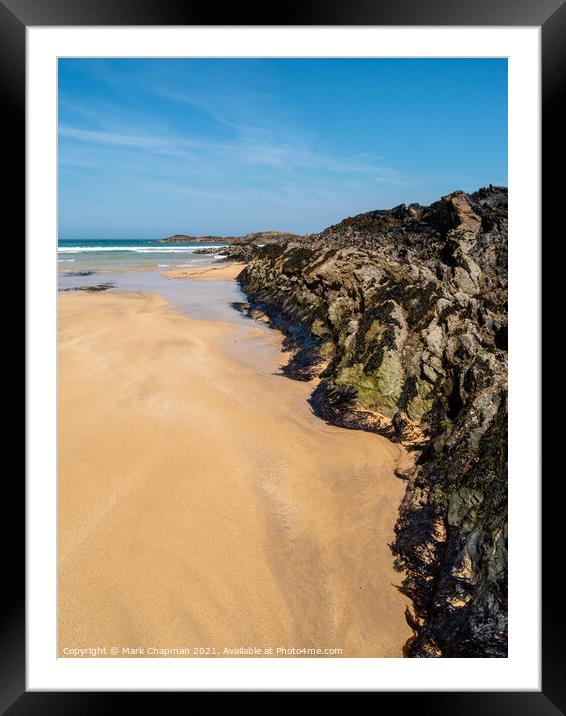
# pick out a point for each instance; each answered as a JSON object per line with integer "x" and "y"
{"x": 248, "y": 150}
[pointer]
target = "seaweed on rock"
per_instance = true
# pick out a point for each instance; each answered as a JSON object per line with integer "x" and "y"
{"x": 403, "y": 316}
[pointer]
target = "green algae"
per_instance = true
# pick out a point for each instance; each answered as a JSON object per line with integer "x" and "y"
{"x": 380, "y": 389}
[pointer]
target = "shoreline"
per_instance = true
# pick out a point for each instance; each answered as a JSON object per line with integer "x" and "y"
{"x": 171, "y": 402}
{"x": 226, "y": 271}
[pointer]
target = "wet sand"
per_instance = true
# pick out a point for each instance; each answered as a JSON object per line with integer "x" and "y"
{"x": 216, "y": 272}
{"x": 201, "y": 504}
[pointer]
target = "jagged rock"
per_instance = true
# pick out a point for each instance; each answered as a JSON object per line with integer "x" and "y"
{"x": 464, "y": 216}
{"x": 214, "y": 250}
{"x": 403, "y": 315}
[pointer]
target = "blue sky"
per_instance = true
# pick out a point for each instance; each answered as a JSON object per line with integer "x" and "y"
{"x": 151, "y": 147}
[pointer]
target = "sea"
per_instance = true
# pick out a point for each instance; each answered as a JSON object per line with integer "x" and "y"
{"x": 126, "y": 254}
{"x": 139, "y": 265}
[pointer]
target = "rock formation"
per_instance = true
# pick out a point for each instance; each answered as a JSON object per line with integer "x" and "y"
{"x": 403, "y": 315}
{"x": 184, "y": 238}
{"x": 211, "y": 250}
{"x": 95, "y": 288}
{"x": 258, "y": 237}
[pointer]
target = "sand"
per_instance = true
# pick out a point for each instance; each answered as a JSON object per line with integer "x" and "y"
{"x": 202, "y": 505}
{"x": 220, "y": 272}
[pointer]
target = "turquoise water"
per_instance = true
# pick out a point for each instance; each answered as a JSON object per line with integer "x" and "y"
{"x": 127, "y": 254}
{"x": 118, "y": 263}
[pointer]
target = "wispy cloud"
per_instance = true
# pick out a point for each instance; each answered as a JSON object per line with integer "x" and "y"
{"x": 221, "y": 146}
{"x": 250, "y": 149}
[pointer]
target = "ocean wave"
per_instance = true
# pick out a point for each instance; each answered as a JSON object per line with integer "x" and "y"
{"x": 133, "y": 249}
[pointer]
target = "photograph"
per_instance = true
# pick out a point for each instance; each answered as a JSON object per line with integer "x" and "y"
{"x": 282, "y": 357}
{"x": 283, "y": 353}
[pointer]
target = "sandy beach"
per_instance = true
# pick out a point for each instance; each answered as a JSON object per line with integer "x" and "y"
{"x": 221, "y": 272}
{"x": 201, "y": 504}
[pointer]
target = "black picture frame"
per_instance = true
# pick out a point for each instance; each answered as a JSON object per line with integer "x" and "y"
{"x": 15, "y": 16}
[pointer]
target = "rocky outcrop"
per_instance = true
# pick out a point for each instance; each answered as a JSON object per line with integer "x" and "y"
{"x": 258, "y": 237}
{"x": 185, "y": 238}
{"x": 403, "y": 315}
{"x": 94, "y": 288}
{"x": 266, "y": 237}
{"x": 211, "y": 250}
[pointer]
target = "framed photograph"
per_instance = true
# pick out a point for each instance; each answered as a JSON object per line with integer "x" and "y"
{"x": 283, "y": 361}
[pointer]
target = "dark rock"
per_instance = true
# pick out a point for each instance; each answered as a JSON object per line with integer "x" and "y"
{"x": 214, "y": 250}
{"x": 90, "y": 289}
{"x": 399, "y": 424}
{"x": 403, "y": 315}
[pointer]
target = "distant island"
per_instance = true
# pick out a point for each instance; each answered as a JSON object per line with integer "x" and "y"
{"x": 258, "y": 237}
